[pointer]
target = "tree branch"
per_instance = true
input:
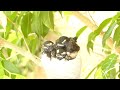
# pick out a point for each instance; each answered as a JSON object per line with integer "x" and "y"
{"x": 6, "y": 44}
{"x": 93, "y": 27}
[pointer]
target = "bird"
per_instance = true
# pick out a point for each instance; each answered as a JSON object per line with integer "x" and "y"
{"x": 61, "y": 59}
{"x": 64, "y": 48}
{"x": 48, "y": 49}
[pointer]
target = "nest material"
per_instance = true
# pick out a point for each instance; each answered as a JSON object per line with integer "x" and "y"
{"x": 61, "y": 60}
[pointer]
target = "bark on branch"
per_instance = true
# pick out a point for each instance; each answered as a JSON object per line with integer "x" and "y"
{"x": 6, "y": 44}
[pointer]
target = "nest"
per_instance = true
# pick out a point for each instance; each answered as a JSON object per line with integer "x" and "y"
{"x": 64, "y": 48}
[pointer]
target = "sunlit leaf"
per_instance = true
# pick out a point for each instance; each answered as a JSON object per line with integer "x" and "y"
{"x": 107, "y": 49}
{"x": 112, "y": 74}
{"x": 9, "y": 51}
{"x": 1, "y": 71}
{"x": 26, "y": 24}
{"x": 45, "y": 31}
{"x": 13, "y": 76}
{"x": 116, "y": 36}
{"x": 110, "y": 29}
{"x": 98, "y": 74}
{"x": 8, "y": 13}
{"x": 33, "y": 44}
{"x": 67, "y": 14}
{"x": 6, "y": 77}
{"x": 116, "y": 17}
{"x": 108, "y": 64}
{"x": 19, "y": 19}
{"x": 93, "y": 35}
{"x": 105, "y": 66}
{"x": 102, "y": 26}
{"x": 89, "y": 46}
{"x": 1, "y": 27}
{"x": 10, "y": 21}
{"x": 90, "y": 41}
{"x": 1, "y": 56}
{"x": 118, "y": 20}
{"x": 48, "y": 19}
{"x": 37, "y": 25}
{"x": 79, "y": 32}
{"x": 18, "y": 76}
{"x": 108, "y": 33}
{"x": 10, "y": 66}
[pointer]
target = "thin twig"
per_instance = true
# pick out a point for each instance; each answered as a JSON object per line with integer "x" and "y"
{"x": 92, "y": 18}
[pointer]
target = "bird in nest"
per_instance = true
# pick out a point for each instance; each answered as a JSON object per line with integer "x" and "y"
{"x": 64, "y": 48}
{"x": 61, "y": 59}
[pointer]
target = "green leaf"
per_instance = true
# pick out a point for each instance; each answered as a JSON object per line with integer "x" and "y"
{"x": 9, "y": 51}
{"x": 37, "y": 25}
{"x": 109, "y": 75}
{"x": 116, "y": 36}
{"x": 107, "y": 49}
{"x": 6, "y": 77}
{"x": 118, "y": 20}
{"x": 10, "y": 22}
{"x": 79, "y": 32}
{"x": 13, "y": 76}
{"x": 98, "y": 74}
{"x": 108, "y": 33}
{"x": 1, "y": 56}
{"x": 45, "y": 31}
{"x": 18, "y": 19}
{"x": 89, "y": 46}
{"x": 116, "y": 17}
{"x": 108, "y": 63}
{"x": 48, "y": 19}
{"x": 112, "y": 74}
{"x": 101, "y": 26}
{"x": 90, "y": 41}
{"x": 93, "y": 35}
{"x": 26, "y": 24}
{"x": 18, "y": 76}
{"x": 8, "y": 13}
{"x": 105, "y": 65}
{"x": 110, "y": 29}
{"x": 1, "y": 71}
{"x": 10, "y": 67}
{"x": 32, "y": 45}
{"x": 1, "y": 27}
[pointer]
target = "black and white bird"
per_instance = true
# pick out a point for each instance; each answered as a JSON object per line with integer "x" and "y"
{"x": 48, "y": 49}
{"x": 61, "y": 59}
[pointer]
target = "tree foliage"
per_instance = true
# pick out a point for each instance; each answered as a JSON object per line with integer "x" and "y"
{"x": 27, "y": 29}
